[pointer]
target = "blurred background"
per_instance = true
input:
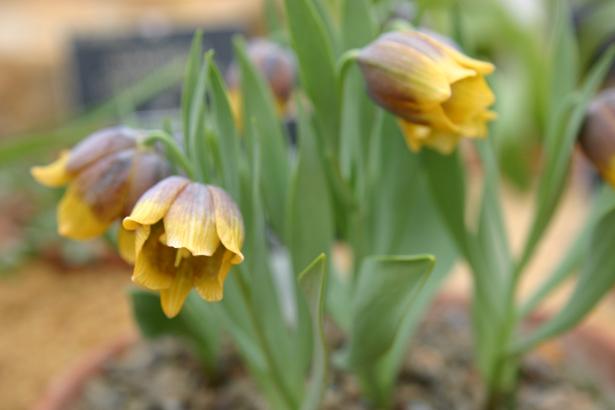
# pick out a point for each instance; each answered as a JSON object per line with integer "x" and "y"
{"x": 68, "y": 67}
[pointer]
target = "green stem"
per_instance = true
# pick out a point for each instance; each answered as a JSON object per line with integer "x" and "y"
{"x": 343, "y": 64}
{"x": 276, "y": 374}
{"x": 176, "y": 155}
{"x": 420, "y": 12}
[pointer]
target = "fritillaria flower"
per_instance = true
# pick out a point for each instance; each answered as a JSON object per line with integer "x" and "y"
{"x": 106, "y": 174}
{"x": 439, "y": 94}
{"x": 277, "y": 66}
{"x": 183, "y": 235}
{"x": 597, "y": 138}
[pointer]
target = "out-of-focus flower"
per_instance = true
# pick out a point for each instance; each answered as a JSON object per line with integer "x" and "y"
{"x": 597, "y": 138}
{"x": 439, "y": 94}
{"x": 277, "y": 66}
{"x": 180, "y": 235}
{"x": 106, "y": 174}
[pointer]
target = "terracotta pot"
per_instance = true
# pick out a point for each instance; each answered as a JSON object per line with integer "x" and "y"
{"x": 585, "y": 344}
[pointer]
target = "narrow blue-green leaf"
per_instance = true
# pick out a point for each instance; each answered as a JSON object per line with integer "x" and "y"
{"x": 313, "y": 281}
{"x": 564, "y": 59}
{"x": 193, "y": 69}
{"x": 226, "y": 131}
{"x": 413, "y": 228}
{"x": 258, "y": 108}
{"x": 196, "y": 132}
{"x": 310, "y": 215}
{"x": 597, "y": 278}
{"x": 358, "y": 23}
{"x": 447, "y": 184}
{"x": 316, "y": 65}
{"x": 386, "y": 287}
{"x": 558, "y": 156}
{"x": 491, "y": 230}
{"x": 258, "y": 272}
{"x": 574, "y": 255}
{"x": 272, "y": 16}
{"x": 329, "y": 13}
{"x": 197, "y": 322}
{"x": 446, "y": 181}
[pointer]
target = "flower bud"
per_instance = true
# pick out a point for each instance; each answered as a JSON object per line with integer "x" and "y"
{"x": 180, "y": 235}
{"x": 106, "y": 174}
{"x": 597, "y": 138}
{"x": 276, "y": 65}
{"x": 439, "y": 94}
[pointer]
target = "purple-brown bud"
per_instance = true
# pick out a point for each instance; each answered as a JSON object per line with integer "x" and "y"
{"x": 597, "y": 138}
{"x": 275, "y": 63}
{"x": 106, "y": 174}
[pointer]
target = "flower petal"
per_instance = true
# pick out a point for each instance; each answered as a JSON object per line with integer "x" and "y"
{"x": 54, "y": 174}
{"x": 399, "y": 72}
{"x": 126, "y": 244}
{"x": 471, "y": 97}
{"x": 211, "y": 272}
{"x": 148, "y": 168}
{"x": 418, "y": 136}
{"x": 438, "y": 51}
{"x": 229, "y": 222}
{"x": 155, "y": 262}
{"x": 173, "y": 298}
{"x": 100, "y": 144}
{"x": 104, "y": 184}
{"x": 155, "y": 203}
{"x": 189, "y": 222}
{"x": 76, "y": 220}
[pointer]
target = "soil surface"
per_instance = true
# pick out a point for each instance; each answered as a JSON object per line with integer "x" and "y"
{"x": 437, "y": 375}
{"x": 166, "y": 375}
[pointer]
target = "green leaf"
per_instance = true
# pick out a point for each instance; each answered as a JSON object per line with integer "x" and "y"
{"x": 225, "y": 127}
{"x": 386, "y": 287}
{"x": 446, "y": 178}
{"x": 189, "y": 88}
{"x": 197, "y": 322}
{"x": 328, "y": 13}
{"x": 491, "y": 230}
{"x": 310, "y": 216}
{"x": 564, "y": 59}
{"x": 446, "y": 182}
{"x": 358, "y": 23}
{"x": 574, "y": 255}
{"x": 260, "y": 283}
{"x": 558, "y": 153}
{"x": 313, "y": 282}
{"x": 413, "y": 228}
{"x": 260, "y": 116}
{"x": 316, "y": 66}
{"x": 597, "y": 278}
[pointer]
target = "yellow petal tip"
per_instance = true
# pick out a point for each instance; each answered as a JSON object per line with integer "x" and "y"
{"x": 54, "y": 174}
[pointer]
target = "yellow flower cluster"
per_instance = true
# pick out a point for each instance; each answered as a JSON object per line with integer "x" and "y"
{"x": 179, "y": 234}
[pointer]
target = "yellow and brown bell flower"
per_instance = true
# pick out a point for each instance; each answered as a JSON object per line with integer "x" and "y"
{"x": 105, "y": 174}
{"x": 597, "y": 138}
{"x": 182, "y": 235}
{"x": 275, "y": 63}
{"x": 439, "y": 94}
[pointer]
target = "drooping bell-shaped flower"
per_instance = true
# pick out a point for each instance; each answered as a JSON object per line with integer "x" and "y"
{"x": 183, "y": 235}
{"x": 105, "y": 175}
{"x": 439, "y": 94}
{"x": 277, "y": 66}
